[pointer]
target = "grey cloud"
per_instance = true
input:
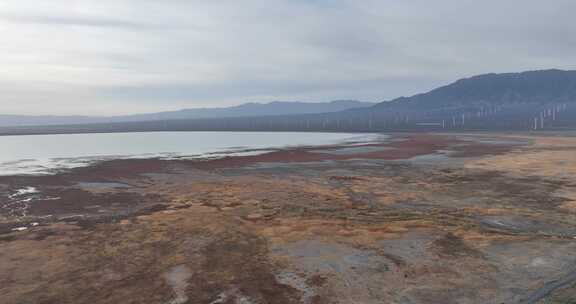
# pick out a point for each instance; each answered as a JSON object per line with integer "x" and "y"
{"x": 79, "y": 21}
{"x": 140, "y": 54}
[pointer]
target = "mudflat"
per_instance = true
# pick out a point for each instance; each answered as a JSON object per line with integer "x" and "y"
{"x": 416, "y": 218}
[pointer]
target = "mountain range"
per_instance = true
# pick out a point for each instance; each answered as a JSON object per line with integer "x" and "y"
{"x": 545, "y": 86}
{"x": 503, "y": 101}
{"x": 534, "y": 100}
{"x": 243, "y": 110}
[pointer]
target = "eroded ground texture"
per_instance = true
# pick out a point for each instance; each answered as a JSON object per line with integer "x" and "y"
{"x": 434, "y": 218}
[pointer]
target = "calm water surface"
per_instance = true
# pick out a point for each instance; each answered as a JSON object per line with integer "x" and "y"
{"x": 40, "y": 154}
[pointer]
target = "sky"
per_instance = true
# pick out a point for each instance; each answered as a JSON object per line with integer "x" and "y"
{"x": 108, "y": 57}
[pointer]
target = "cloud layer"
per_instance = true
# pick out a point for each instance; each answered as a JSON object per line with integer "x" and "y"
{"x": 125, "y": 56}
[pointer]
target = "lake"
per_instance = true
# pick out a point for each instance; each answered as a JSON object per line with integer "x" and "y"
{"x": 42, "y": 154}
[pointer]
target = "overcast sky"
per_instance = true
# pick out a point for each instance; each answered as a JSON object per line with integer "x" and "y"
{"x": 100, "y": 57}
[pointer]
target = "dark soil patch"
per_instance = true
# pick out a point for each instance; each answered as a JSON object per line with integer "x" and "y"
{"x": 478, "y": 149}
{"x": 453, "y": 246}
{"x": 76, "y": 201}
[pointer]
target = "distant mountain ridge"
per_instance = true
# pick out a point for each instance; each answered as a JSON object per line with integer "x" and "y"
{"x": 255, "y": 109}
{"x": 544, "y": 86}
{"x": 243, "y": 110}
{"x": 527, "y": 101}
{"x": 532, "y": 100}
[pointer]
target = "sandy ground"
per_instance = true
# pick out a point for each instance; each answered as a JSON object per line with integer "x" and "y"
{"x": 434, "y": 218}
{"x": 547, "y": 157}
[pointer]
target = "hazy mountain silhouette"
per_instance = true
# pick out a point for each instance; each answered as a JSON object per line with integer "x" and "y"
{"x": 243, "y": 110}
{"x": 254, "y": 109}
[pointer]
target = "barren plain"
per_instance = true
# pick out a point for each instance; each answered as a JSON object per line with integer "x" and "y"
{"x": 416, "y": 218}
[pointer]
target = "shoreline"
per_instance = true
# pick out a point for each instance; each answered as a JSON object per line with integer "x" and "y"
{"x": 95, "y": 148}
{"x": 393, "y": 148}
